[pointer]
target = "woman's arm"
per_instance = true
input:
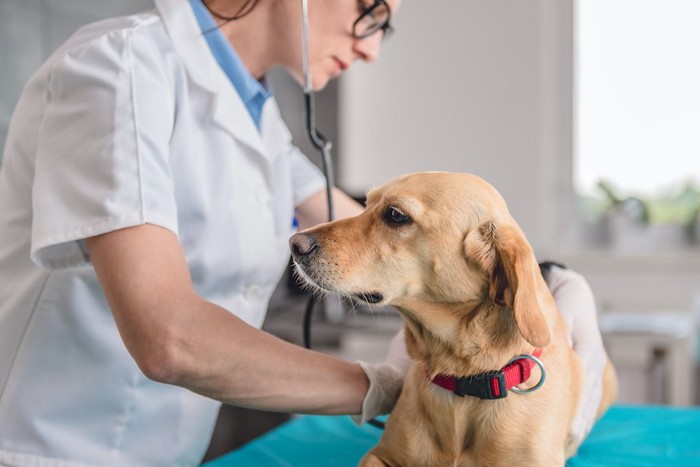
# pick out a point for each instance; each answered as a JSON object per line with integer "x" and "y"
{"x": 176, "y": 337}
{"x": 315, "y": 209}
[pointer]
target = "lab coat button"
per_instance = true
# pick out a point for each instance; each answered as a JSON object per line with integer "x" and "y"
{"x": 263, "y": 196}
{"x": 252, "y": 292}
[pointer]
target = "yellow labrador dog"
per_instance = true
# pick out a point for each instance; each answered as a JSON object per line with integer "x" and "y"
{"x": 479, "y": 320}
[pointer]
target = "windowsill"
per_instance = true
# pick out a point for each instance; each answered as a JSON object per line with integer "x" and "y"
{"x": 681, "y": 261}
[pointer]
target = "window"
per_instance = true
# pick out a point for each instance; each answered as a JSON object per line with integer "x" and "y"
{"x": 637, "y": 108}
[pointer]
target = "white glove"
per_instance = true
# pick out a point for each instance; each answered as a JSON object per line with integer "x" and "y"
{"x": 385, "y": 380}
{"x": 576, "y": 303}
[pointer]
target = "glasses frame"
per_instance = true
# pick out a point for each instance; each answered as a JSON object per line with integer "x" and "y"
{"x": 386, "y": 27}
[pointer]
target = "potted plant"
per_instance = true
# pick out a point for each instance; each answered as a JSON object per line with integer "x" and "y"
{"x": 666, "y": 222}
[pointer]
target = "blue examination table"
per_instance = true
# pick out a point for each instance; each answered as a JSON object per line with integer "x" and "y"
{"x": 625, "y": 436}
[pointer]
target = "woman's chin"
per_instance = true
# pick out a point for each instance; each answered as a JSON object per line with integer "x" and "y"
{"x": 318, "y": 83}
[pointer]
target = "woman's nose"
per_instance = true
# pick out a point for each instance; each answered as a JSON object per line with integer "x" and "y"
{"x": 368, "y": 48}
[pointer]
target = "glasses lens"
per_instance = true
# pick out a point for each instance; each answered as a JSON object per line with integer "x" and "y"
{"x": 372, "y": 20}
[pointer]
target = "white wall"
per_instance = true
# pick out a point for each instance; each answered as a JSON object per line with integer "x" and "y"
{"x": 470, "y": 86}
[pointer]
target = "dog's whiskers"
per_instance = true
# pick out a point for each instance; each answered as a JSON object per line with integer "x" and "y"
{"x": 351, "y": 309}
{"x": 307, "y": 284}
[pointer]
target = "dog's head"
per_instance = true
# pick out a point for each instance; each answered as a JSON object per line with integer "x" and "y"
{"x": 435, "y": 245}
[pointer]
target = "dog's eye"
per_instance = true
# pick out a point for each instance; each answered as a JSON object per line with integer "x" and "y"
{"x": 394, "y": 216}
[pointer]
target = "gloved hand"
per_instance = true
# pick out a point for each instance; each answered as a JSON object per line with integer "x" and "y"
{"x": 385, "y": 380}
{"x": 576, "y": 303}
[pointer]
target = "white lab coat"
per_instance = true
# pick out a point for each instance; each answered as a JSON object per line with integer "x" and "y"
{"x": 130, "y": 122}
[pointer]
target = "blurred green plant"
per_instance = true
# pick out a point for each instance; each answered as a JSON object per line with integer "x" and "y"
{"x": 677, "y": 205}
{"x": 593, "y": 207}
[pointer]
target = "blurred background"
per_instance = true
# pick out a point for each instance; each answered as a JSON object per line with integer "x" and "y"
{"x": 585, "y": 114}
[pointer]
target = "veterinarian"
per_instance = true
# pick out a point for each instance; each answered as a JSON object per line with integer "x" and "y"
{"x": 147, "y": 195}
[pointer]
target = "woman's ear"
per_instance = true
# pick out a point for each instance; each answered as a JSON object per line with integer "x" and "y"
{"x": 514, "y": 277}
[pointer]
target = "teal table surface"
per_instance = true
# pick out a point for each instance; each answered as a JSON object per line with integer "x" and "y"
{"x": 625, "y": 436}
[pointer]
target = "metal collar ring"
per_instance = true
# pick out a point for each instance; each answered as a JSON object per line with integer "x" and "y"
{"x": 542, "y": 371}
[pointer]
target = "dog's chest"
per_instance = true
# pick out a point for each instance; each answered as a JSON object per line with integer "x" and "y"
{"x": 473, "y": 432}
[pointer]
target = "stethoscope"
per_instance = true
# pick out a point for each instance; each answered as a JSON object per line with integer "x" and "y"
{"x": 324, "y": 147}
{"x": 319, "y": 142}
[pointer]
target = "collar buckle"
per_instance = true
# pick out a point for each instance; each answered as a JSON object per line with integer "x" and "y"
{"x": 484, "y": 386}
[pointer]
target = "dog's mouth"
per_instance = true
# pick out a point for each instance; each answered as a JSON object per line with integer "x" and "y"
{"x": 369, "y": 297}
{"x": 317, "y": 283}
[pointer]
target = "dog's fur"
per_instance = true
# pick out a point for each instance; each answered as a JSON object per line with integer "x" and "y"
{"x": 467, "y": 284}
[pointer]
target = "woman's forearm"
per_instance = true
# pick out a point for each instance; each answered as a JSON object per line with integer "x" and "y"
{"x": 220, "y": 356}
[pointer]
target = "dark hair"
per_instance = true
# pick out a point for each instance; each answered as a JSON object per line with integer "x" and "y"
{"x": 246, "y": 8}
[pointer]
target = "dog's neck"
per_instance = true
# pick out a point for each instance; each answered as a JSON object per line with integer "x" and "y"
{"x": 463, "y": 343}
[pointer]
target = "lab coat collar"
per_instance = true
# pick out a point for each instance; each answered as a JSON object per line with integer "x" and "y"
{"x": 228, "y": 108}
{"x": 275, "y": 134}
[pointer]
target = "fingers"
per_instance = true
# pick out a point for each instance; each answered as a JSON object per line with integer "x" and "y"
{"x": 589, "y": 402}
{"x": 384, "y": 389}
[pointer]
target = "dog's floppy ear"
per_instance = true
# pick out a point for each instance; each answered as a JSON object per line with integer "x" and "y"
{"x": 514, "y": 276}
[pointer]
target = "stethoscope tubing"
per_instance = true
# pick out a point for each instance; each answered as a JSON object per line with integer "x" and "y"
{"x": 322, "y": 144}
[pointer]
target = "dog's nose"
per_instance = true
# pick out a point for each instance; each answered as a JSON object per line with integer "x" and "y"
{"x": 303, "y": 244}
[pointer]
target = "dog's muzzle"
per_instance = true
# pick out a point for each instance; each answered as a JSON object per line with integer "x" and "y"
{"x": 310, "y": 265}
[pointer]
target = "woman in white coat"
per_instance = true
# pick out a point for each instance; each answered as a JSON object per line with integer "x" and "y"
{"x": 147, "y": 195}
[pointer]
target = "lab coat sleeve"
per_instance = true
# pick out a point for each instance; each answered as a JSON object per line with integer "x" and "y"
{"x": 102, "y": 160}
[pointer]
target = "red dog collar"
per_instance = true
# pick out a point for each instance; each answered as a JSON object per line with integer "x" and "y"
{"x": 494, "y": 385}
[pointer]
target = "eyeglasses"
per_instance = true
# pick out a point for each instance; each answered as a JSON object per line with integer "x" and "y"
{"x": 372, "y": 19}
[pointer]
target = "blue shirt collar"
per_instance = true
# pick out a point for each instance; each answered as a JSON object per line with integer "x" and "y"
{"x": 253, "y": 93}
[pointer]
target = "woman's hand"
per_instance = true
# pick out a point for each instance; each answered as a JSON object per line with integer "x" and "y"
{"x": 576, "y": 303}
{"x": 385, "y": 380}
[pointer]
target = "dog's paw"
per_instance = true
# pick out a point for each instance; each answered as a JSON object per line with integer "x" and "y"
{"x": 371, "y": 460}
